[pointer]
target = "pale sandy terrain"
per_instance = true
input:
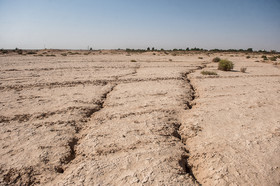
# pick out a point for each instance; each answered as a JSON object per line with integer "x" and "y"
{"x": 104, "y": 120}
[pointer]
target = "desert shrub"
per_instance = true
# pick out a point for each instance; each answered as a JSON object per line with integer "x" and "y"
{"x": 216, "y": 59}
{"x": 19, "y": 52}
{"x": 248, "y": 57}
{"x": 170, "y": 60}
{"x": 31, "y": 52}
{"x": 225, "y": 65}
{"x": 200, "y": 57}
{"x": 243, "y": 69}
{"x": 64, "y": 54}
{"x": 273, "y": 58}
{"x": 174, "y": 54}
{"x": 51, "y": 55}
{"x": 4, "y": 51}
{"x": 133, "y": 60}
{"x": 264, "y": 57}
{"x": 208, "y": 73}
{"x": 74, "y": 53}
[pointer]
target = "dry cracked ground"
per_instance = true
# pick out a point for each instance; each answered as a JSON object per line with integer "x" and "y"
{"x": 104, "y": 120}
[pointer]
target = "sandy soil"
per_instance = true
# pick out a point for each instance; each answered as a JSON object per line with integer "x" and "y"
{"x": 104, "y": 120}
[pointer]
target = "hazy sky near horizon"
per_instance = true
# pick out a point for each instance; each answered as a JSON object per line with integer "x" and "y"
{"x": 111, "y": 24}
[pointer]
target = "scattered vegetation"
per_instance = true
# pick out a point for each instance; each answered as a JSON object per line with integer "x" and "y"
{"x": 64, "y": 54}
{"x": 208, "y": 73}
{"x": 243, "y": 69}
{"x": 133, "y": 60}
{"x": 50, "y": 55}
{"x": 273, "y": 58}
{"x": 19, "y": 52}
{"x": 216, "y": 59}
{"x": 248, "y": 57}
{"x": 200, "y": 57}
{"x": 264, "y": 57}
{"x": 31, "y": 52}
{"x": 225, "y": 65}
{"x": 4, "y": 51}
{"x": 73, "y": 53}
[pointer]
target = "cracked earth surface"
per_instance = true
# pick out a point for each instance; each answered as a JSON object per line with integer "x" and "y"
{"x": 103, "y": 120}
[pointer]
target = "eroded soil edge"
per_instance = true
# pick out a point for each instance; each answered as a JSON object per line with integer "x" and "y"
{"x": 189, "y": 105}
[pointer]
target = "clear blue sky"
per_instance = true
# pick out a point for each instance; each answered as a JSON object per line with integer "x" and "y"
{"x": 109, "y": 24}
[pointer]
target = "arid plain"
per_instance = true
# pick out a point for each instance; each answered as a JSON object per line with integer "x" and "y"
{"x": 119, "y": 118}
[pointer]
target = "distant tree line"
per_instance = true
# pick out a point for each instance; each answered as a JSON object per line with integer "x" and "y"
{"x": 19, "y": 51}
{"x": 201, "y": 49}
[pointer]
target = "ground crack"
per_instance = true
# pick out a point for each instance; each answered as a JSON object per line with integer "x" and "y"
{"x": 189, "y": 103}
{"x": 72, "y": 144}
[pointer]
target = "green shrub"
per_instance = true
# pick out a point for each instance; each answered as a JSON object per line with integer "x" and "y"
{"x": 225, "y": 65}
{"x": 264, "y": 57}
{"x": 216, "y": 59}
{"x": 273, "y": 58}
{"x": 19, "y": 52}
{"x": 208, "y": 73}
{"x": 31, "y": 52}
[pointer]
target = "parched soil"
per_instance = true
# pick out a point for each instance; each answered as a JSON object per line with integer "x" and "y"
{"x": 104, "y": 120}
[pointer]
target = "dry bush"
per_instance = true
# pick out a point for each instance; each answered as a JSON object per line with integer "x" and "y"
{"x": 216, "y": 59}
{"x": 264, "y": 57}
{"x": 208, "y": 73}
{"x": 273, "y": 58}
{"x": 31, "y": 52}
{"x": 225, "y": 65}
{"x": 243, "y": 69}
{"x": 133, "y": 60}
